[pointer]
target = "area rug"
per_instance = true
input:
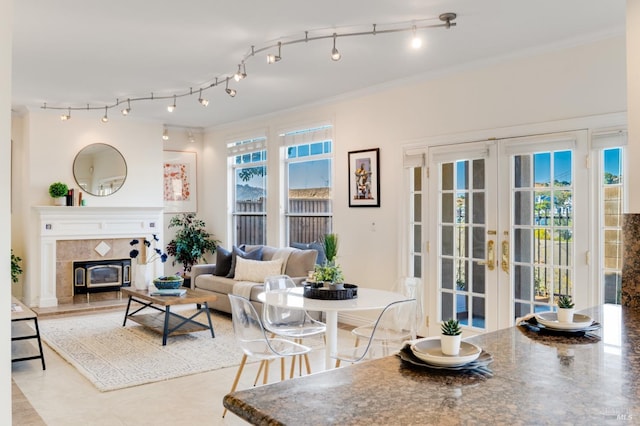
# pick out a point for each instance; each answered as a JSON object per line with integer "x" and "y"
{"x": 114, "y": 357}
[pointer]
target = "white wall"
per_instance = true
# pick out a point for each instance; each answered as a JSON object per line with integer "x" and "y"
{"x": 6, "y": 13}
{"x": 633, "y": 113}
{"x": 576, "y": 82}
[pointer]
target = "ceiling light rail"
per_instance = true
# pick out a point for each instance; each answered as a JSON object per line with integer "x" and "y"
{"x": 445, "y": 18}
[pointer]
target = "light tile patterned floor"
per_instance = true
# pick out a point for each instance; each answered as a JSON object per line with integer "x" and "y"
{"x": 62, "y": 397}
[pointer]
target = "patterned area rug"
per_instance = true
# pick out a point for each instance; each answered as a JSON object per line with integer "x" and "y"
{"x": 114, "y": 357}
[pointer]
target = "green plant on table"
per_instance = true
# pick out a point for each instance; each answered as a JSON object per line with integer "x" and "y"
{"x": 451, "y": 327}
{"x": 330, "y": 243}
{"x": 329, "y": 272}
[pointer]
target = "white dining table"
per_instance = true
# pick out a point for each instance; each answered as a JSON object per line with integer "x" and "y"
{"x": 368, "y": 299}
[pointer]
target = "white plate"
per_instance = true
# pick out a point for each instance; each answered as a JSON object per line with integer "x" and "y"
{"x": 550, "y": 320}
{"x": 429, "y": 350}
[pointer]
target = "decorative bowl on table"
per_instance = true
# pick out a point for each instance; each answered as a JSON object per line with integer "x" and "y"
{"x": 169, "y": 282}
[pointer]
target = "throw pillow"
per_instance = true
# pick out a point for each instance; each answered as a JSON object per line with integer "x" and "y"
{"x": 256, "y": 270}
{"x": 223, "y": 262}
{"x": 255, "y": 254}
{"x": 321, "y": 259}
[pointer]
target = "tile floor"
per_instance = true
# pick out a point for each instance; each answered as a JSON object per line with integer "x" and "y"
{"x": 63, "y": 397}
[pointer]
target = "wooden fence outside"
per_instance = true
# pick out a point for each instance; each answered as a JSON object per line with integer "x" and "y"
{"x": 309, "y": 220}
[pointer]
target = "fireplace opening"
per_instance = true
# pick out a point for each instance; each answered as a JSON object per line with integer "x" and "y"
{"x": 94, "y": 276}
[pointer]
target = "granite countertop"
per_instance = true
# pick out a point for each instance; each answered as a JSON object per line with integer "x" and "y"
{"x": 537, "y": 379}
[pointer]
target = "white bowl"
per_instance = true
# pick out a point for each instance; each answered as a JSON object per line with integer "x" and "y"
{"x": 550, "y": 320}
{"x": 430, "y": 351}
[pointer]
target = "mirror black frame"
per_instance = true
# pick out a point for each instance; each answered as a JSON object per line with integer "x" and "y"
{"x": 113, "y": 179}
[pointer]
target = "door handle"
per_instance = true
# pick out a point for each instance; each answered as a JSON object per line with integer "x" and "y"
{"x": 491, "y": 256}
{"x": 505, "y": 256}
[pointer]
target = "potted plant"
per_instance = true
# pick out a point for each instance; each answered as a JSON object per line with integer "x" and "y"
{"x": 451, "y": 337}
{"x": 330, "y": 274}
{"x": 565, "y": 309}
{"x": 330, "y": 244}
{"x": 191, "y": 241}
{"x": 58, "y": 191}
{"x": 142, "y": 276}
{"x": 16, "y": 269}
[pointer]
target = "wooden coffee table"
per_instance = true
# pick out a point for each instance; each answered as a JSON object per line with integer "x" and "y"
{"x": 166, "y": 322}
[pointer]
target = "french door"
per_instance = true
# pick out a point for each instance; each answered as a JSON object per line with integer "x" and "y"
{"x": 508, "y": 228}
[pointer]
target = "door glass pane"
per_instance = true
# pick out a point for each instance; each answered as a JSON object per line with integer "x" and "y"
{"x": 417, "y": 207}
{"x": 447, "y": 208}
{"x": 478, "y": 207}
{"x": 447, "y": 273}
{"x": 522, "y": 245}
{"x": 417, "y": 179}
{"x": 447, "y": 240}
{"x": 479, "y": 277}
{"x": 478, "y": 308}
{"x": 447, "y": 306}
{"x": 522, "y": 171}
{"x": 417, "y": 238}
{"x": 478, "y": 174}
{"x": 447, "y": 177}
{"x": 522, "y": 207}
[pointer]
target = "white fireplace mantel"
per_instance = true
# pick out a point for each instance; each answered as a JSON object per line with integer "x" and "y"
{"x": 56, "y": 223}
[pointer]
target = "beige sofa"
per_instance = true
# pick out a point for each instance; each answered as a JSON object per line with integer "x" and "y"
{"x": 296, "y": 264}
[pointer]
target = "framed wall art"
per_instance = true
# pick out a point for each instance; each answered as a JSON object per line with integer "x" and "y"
{"x": 364, "y": 178}
{"x": 180, "y": 182}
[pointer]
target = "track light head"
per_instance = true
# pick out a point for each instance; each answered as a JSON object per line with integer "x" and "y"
{"x": 241, "y": 73}
{"x": 165, "y": 135}
{"x": 172, "y": 107}
{"x": 67, "y": 116}
{"x": 335, "y": 54}
{"x": 271, "y": 58}
{"x": 416, "y": 42}
{"x": 127, "y": 110}
{"x": 230, "y": 92}
{"x": 105, "y": 117}
{"x": 203, "y": 102}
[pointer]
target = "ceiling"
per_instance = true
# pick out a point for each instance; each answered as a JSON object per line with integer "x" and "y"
{"x": 72, "y": 53}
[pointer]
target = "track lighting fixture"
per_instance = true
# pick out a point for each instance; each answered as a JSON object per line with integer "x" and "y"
{"x": 105, "y": 118}
{"x": 416, "y": 42}
{"x": 190, "y": 137}
{"x": 127, "y": 110}
{"x": 165, "y": 135}
{"x": 67, "y": 116}
{"x": 203, "y": 102}
{"x": 172, "y": 107}
{"x": 230, "y": 92}
{"x": 445, "y": 21}
{"x": 241, "y": 73}
{"x": 335, "y": 55}
{"x": 271, "y": 58}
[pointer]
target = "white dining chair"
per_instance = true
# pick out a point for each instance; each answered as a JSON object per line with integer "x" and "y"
{"x": 252, "y": 337}
{"x": 295, "y": 324}
{"x": 394, "y": 325}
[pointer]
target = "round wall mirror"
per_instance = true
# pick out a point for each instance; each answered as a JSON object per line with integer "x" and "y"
{"x": 99, "y": 169}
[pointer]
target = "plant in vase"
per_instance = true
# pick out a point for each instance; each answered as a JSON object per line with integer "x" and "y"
{"x": 451, "y": 337}
{"x": 150, "y": 253}
{"x": 565, "y": 309}
{"x": 58, "y": 191}
{"x": 330, "y": 274}
{"x": 191, "y": 241}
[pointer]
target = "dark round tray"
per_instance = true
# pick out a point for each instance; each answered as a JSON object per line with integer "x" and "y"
{"x": 312, "y": 292}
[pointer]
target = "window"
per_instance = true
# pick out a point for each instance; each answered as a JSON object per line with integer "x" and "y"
{"x": 609, "y": 157}
{"x": 248, "y": 161}
{"x": 308, "y": 184}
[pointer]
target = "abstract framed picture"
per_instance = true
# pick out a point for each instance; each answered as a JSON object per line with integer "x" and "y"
{"x": 364, "y": 178}
{"x": 180, "y": 182}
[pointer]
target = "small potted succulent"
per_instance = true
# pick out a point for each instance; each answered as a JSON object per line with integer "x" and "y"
{"x": 565, "y": 309}
{"x": 58, "y": 191}
{"x": 451, "y": 337}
